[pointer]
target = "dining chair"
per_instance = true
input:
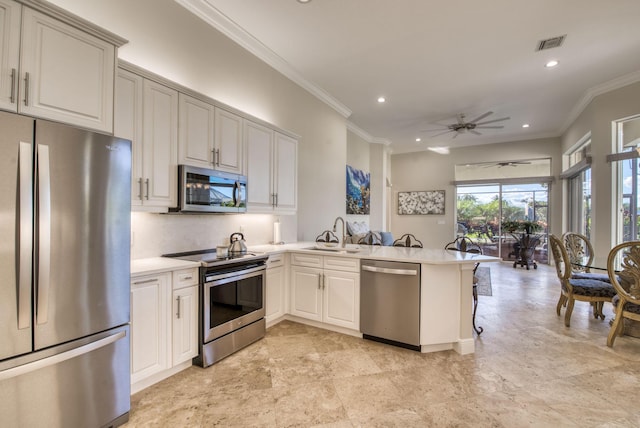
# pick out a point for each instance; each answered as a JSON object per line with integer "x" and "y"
{"x": 581, "y": 254}
{"x": 407, "y": 240}
{"x": 589, "y": 290}
{"x": 623, "y": 267}
{"x": 466, "y": 245}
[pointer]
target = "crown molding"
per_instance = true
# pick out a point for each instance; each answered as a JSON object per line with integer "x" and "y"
{"x": 383, "y": 141}
{"x": 222, "y": 23}
{"x": 359, "y": 132}
{"x": 593, "y": 92}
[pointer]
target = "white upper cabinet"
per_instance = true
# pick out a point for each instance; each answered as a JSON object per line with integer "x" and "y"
{"x": 147, "y": 114}
{"x": 229, "y": 147}
{"x": 259, "y": 143}
{"x": 10, "y": 13}
{"x": 53, "y": 70}
{"x": 285, "y": 173}
{"x": 127, "y": 124}
{"x": 272, "y": 160}
{"x": 209, "y": 136}
{"x": 196, "y": 130}
{"x": 160, "y": 145}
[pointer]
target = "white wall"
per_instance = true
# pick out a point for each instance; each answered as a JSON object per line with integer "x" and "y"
{"x": 168, "y": 40}
{"x": 598, "y": 119}
{"x": 431, "y": 171}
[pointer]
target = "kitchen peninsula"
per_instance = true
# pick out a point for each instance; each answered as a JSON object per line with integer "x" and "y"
{"x": 445, "y": 288}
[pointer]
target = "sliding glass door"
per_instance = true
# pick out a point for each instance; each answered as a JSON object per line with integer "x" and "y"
{"x": 481, "y": 209}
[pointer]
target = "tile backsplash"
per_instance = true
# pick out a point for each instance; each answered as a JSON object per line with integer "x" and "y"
{"x": 157, "y": 234}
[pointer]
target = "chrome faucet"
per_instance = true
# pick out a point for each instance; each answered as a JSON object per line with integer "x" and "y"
{"x": 335, "y": 224}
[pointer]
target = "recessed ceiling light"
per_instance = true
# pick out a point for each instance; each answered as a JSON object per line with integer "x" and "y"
{"x": 418, "y": 140}
{"x": 381, "y": 99}
{"x": 551, "y": 63}
{"x": 526, "y": 125}
{"x": 303, "y": 1}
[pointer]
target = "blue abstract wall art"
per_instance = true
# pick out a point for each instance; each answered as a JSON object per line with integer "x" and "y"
{"x": 358, "y": 191}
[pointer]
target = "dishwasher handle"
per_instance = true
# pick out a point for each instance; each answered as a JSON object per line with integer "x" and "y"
{"x": 410, "y": 272}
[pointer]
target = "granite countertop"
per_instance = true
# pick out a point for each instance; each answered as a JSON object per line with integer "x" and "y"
{"x": 433, "y": 256}
{"x": 154, "y": 265}
{"x": 401, "y": 254}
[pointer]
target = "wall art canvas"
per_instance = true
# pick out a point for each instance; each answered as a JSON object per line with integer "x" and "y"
{"x": 422, "y": 202}
{"x": 358, "y": 190}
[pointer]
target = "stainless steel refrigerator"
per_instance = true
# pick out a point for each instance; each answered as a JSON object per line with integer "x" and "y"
{"x": 64, "y": 275}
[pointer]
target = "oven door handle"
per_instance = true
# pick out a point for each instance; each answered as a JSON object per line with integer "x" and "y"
{"x": 237, "y": 275}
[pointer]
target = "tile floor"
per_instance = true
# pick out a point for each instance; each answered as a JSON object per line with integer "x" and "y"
{"x": 528, "y": 370}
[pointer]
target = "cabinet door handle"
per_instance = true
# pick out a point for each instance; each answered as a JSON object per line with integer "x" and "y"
{"x": 13, "y": 85}
{"x": 140, "y": 188}
{"x": 276, "y": 195}
{"x": 217, "y": 157}
{"x": 146, "y": 281}
{"x": 147, "y": 183}
{"x": 213, "y": 156}
{"x": 324, "y": 281}
{"x": 26, "y": 88}
{"x": 178, "y": 301}
{"x": 319, "y": 281}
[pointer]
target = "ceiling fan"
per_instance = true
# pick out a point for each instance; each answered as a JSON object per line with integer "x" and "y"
{"x": 510, "y": 163}
{"x": 462, "y": 126}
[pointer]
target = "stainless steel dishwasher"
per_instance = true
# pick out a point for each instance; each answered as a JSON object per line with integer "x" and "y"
{"x": 390, "y": 302}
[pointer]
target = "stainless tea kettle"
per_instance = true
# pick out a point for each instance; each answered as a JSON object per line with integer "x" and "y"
{"x": 237, "y": 244}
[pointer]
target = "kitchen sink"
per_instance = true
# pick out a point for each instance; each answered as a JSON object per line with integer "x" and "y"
{"x": 338, "y": 250}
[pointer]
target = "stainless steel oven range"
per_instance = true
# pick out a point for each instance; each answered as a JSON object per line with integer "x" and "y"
{"x": 231, "y": 302}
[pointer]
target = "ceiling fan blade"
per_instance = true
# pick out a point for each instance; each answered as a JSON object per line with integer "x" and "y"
{"x": 474, "y": 132}
{"x": 442, "y": 133}
{"x": 489, "y": 127}
{"x": 455, "y": 135}
{"x": 482, "y": 116}
{"x": 435, "y": 130}
{"x": 494, "y": 120}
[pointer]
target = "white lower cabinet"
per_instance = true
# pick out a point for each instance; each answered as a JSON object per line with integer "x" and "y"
{"x": 275, "y": 288}
{"x": 185, "y": 324}
{"x": 164, "y": 335}
{"x": 150, "y": 328}
{"x": 330, "y": 293}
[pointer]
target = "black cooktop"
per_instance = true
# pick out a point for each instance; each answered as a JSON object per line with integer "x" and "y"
{"x": 209, "y": 257}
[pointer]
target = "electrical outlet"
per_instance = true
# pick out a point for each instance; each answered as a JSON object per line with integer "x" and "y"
{"x": 241, "y": 228}
{"x": 441, "y": 222}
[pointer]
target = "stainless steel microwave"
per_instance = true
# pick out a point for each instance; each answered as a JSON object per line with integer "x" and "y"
{"x": 202, "y": 190}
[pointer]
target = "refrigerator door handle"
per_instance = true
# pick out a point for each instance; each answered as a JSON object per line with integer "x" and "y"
{"x": 26, "y": 235}
{"x": 59, "y": 358}
{"x": 44, "y": 234}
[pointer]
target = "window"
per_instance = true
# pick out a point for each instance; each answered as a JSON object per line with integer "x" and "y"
{"x": 577, "y": 172}
{"x": 626, "y": 172}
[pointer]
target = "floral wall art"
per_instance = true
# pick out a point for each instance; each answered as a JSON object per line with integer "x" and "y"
{"x": 358, "y": 190}
{"x": 421, "y": 202}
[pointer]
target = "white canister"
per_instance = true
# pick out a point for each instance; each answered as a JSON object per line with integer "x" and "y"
{"x": 222, "y": 251}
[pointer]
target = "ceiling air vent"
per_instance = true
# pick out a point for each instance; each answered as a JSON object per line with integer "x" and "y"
{"x": 553, "y": 42}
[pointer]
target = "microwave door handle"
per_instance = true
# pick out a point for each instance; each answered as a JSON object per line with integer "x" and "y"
{"x": 236, "y": 193}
